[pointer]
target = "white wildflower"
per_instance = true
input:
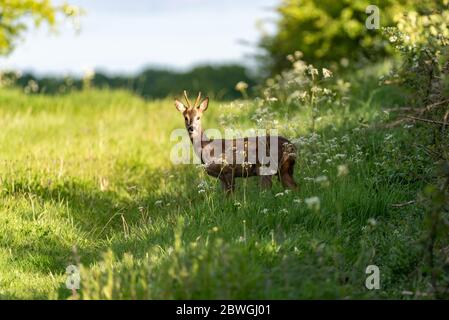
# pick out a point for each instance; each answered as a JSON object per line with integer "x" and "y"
{"x": 32, "y": 87}
{"x": 342, "y": 170}
{"x": 393, "y": 39}
{"x": 323, "y": 180}
{"x": 299, "y": 66}
{"x": 313, "y": 71}
{"x": 313, "y": 203}
{"x": 345, "y": 138}
{"x": 316, "y": 89}
{"x": 280, "y": 194}
{"x": 340, "y": 156}
{"x": 327, "y": 73}
{"x": 241, "y": 86}
{"x": 298, "y": 54}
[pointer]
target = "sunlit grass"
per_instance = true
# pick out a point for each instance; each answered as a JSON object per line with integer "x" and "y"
{"x": 89, "y": 173}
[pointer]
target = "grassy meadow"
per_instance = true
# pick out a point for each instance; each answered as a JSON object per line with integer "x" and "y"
{"x": 86, "y": 179}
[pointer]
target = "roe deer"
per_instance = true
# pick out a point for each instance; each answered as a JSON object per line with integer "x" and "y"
{"x": 240, "y": 157}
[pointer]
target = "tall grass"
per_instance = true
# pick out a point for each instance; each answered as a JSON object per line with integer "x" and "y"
{"x": 85, "y": 179}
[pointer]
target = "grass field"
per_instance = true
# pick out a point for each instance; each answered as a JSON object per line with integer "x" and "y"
{"x": 86, "y": 179}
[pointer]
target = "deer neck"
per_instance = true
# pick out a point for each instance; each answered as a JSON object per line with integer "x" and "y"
{"x": 199, "y": 141}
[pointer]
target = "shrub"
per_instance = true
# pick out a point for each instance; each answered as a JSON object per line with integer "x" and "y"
{"x": 328, "y": 31}
{"x": 422, "y": 38}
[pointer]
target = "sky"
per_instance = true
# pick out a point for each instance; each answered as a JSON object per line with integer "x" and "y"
{"x": 120, "y": 36}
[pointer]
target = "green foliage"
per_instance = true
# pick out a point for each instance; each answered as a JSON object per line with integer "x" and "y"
{"x": 16, "y": 15}
{"x": 435, "y": 241}
{"x": 195, "y": 270}
{"x": 328, "y": 31}
{"x": 91, "y": 169}
{"x": 216, "y": 81}
{"x": 304, "y": 86}
{"x": 422, "y": 38}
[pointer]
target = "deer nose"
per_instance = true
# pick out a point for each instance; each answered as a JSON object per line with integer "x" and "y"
{"x": 190, "y": 129}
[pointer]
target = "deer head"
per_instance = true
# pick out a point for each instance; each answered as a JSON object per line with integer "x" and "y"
{"x": 192, "y": 114}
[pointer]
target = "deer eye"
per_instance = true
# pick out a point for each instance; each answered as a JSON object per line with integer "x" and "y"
{"x": 198, "y": 118}
{"x": 186, "y": 119}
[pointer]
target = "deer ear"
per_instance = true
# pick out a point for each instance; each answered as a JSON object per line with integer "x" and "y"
{"x": 180, "y": 106}
{"x": 203, "y": 105}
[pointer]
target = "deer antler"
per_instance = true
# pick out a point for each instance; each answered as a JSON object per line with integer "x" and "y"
{"x": 187, "y": 99}
{"x": 198, "y": 100}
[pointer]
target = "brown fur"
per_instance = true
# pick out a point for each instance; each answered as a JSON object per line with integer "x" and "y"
{"x": 227, "y": 172}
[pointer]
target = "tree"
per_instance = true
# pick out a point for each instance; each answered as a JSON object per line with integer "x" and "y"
{"x": 16, "y": 16}
{"x": 328, "y": 31}
{"x": 218, "y": 81}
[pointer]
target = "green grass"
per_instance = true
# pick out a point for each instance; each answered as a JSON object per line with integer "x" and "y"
{"x": 86, "y": 179}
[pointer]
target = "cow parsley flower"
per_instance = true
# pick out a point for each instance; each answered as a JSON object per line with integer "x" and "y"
{"x": 327, "y": 73}
{"x": 342, "y": 170}
{"x": 313, "y": 203}
{"x": 280, "y": 194}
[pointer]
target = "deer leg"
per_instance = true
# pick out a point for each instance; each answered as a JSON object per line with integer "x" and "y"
{"x": 288, "y": 182}
{"x": 265, "y": 182}
{"x": 227, "y": 183}
{"x": 286, "y": 175}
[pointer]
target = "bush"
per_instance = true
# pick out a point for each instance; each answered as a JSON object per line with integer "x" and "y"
{"x": 328, "y": 31}
{"x": 422, "y": 38}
